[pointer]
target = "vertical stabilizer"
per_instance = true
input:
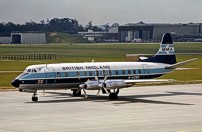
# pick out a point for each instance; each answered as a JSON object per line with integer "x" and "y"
{"x": 166, "y": 52}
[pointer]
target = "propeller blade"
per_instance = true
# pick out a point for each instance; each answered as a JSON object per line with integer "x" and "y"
{"x": 97, "y": 79}
{"x": 43, "y": 92}
{"x": 85, "y": 94}
{"x": 77, "y": 91}
{"x": 80, "y": 87}
{"x": 102, "y": 86}
{"x": 105, "y": 90}
{"x": 117, "y": 92}
{"x": 98, "y": 92}
{"x": 105, "y": 79}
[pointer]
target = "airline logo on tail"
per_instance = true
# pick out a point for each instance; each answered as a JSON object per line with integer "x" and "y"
{"x": 166, "y": 49}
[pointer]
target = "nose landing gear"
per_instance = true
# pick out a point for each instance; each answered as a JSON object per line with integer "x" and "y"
{"x": 34, "y": 97}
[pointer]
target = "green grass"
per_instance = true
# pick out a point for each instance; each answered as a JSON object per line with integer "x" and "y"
{"x": 192, "y": 75}
{"x": 6, "y": 79}
{"x": 99, "y": 53}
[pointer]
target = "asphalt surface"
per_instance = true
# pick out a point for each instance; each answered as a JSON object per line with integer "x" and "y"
{"x": 175, "y": 108}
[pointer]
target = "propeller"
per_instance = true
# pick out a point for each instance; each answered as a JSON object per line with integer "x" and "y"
{"x": 82, "y": 87}
{"x": 43, "y": 92}
{"x": 102, "y": 86}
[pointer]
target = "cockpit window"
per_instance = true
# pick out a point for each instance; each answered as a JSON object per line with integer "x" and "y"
{"x": 29, "y": 70}
{"x": 34, "y": 70}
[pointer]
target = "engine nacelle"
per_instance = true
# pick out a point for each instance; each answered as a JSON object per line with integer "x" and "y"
{"x": 113, "y": 84}
{"x": 109, "y": 84}
{"x": 28, "y": 90}
{"x": 91, "y": 85}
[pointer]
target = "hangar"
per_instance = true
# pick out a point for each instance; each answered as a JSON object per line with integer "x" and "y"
{"x": 101, "y": 36}
{"x": 28, "y": 38}
{"x": 5, "y": 40}
{"x": 153, "y": 32}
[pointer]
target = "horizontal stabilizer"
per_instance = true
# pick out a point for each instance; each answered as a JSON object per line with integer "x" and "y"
{"x": 147, "y": 80}
{"x": 180, "y": 64}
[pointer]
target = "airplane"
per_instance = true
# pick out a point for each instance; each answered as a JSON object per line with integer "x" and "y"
{"x": 108, "y": 77}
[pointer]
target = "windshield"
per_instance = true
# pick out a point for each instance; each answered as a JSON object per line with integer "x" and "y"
{"x": 30, "y": 71}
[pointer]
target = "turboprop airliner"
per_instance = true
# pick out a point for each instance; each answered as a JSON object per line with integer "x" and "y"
{"x": 108, "y": 77}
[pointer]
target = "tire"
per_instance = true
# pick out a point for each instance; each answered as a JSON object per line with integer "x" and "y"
{"x": 113, "y": 96}
{"x": 34, "y": 99}
{"x": 76, "y": 94}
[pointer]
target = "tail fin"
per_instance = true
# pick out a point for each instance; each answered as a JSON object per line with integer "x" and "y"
{"x": 166, "y": 52}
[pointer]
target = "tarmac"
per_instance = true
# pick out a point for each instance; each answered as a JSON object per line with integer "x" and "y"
{"x": 171, "y": 108}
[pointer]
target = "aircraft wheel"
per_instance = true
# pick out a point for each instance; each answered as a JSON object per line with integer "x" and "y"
{"x": 76, "y": 94}
{"x": 34, "y": 99}
{"x": 113, "y": 96}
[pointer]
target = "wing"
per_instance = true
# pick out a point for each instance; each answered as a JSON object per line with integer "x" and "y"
{"x": 146, "y": 81}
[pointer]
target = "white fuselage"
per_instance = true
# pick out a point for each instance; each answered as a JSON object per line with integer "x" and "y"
{"x": 71, "y": 75}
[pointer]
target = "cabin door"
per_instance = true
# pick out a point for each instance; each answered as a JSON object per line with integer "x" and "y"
{"x": 50, "y": 77}
{"x": 145, "y": 71}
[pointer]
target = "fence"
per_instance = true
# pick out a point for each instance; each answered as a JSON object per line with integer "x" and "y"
{"x": 28, "y": 56}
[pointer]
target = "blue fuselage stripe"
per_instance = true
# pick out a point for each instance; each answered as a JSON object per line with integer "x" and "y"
{"x": 83, "y": 74}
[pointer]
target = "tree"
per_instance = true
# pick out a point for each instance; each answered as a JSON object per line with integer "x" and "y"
{"x": 106, "y": 26}
{"x": 89, "y": 26}
{"x": 114, "y": 25}
{"x": 96, "y": 28}
{"x": 54, "y": 25}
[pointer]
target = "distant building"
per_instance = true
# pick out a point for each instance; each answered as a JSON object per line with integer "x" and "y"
{"x": 101, "y": 36}
{"x": 28, "y": 38}
{"x": 154, "y": 32}
{"x": 5, "y": 40}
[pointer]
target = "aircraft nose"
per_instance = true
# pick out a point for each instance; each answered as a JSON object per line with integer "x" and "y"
{"x": 15, "y": 83}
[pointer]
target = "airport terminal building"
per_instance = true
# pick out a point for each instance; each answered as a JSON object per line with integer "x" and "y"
{"x": 154, "y": 32}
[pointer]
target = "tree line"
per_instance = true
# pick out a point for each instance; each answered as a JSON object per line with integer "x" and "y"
{"x": 66, "y": 25}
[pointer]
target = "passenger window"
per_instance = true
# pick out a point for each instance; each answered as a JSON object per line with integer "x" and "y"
{"x": 90, "y": 73}
{"x": 139, "y": 71}
{"x": 104, "y": 73}
{"x": 134, "y": 71}
{"x": 77, "y": 73}
{"x": 84, "y": 73}
{"x": 66, "y": 74}
{"x": 110, "y": 72}
{"x": 123, "y": 72}
{"x": 129, "y": 72}
{"x": 97, "y": 73}
{"x": 116, "y": 72}
{"x": 58, "y": 74}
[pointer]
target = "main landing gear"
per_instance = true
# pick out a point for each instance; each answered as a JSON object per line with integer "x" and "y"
{"x": 34, "y": 97}
{"x": 76, "y": 93}
{"x": 114, "y": 95}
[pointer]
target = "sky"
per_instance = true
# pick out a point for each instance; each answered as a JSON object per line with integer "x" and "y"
{"x": 102, "y": 11}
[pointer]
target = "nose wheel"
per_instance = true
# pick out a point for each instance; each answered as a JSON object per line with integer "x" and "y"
{"x": 34, "y": 97}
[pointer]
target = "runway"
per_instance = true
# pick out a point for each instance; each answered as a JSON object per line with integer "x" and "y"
{"x": 173, "y": 108}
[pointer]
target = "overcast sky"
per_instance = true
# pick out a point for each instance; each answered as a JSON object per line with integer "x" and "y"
{"x": 102, "y": 11}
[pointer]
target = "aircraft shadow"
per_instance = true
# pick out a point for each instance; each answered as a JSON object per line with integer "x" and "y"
{"x": 67, "y": 97}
